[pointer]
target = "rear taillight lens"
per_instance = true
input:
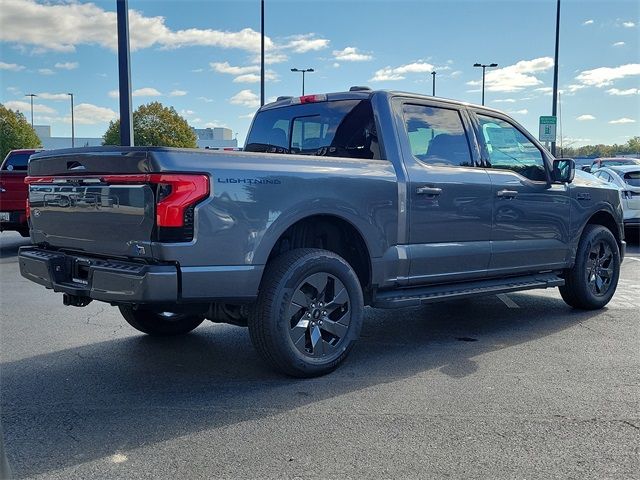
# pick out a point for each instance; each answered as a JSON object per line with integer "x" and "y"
{"x": 176, "y": 198}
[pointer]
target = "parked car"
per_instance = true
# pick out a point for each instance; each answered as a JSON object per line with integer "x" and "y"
{"x": 338, "y": 201}
{"x": 13, "y": 191}
{"x": 611, "y": 162}
{"x": 627, "y": 179}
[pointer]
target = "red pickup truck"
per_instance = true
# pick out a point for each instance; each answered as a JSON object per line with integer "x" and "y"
{"x": 13, "y": 191}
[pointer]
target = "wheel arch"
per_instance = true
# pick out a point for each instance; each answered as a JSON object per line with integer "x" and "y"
{"x": 329, "y": 232}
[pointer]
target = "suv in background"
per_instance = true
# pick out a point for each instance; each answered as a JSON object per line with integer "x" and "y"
{"x": 612, "y": 162}
{"x": 13, "y": 191}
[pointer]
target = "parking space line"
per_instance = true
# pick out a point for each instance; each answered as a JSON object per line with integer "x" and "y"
{"x": 507, "y": 301}
{"x": 633, "y": 258}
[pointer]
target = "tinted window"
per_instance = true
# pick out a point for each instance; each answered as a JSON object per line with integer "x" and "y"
{"x": 632, "y": 178}
{"x": 508, "y": 148}
{"x": 437, "y": 136}
{"x": 344, "y": 128}
{"x": 17, "y": 161}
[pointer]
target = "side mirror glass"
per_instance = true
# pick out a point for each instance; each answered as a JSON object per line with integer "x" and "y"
{"x": 564, "y": 169}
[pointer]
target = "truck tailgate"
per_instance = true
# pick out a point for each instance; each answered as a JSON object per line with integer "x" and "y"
{"x": 90, "y": 214}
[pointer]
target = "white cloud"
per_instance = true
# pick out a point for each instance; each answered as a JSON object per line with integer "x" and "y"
{"x": 628, "y": 24}
{"x": 398, "y": 73}
{"x": 248, "y": 116}
{"x": 270, "y": 58}
{"x": 622, "y": 120}
{"x": 306, "y": 43}
{"x": 544, "y": 90}
{"x": 178, "y": 93}
{"x": 516, "y": 77}
{"x": 146, "y": 92}
{"x": 14, "y": 90}
{"x": 505, "y": 100}
{"x": 351, "y": 54}
{"x": 455, "y": 74}
{"x": 586, "y": 117}
{"x": 114, "y": 93}
{"x": 198, "y": 70}
{"x": 628, "y": 91}
{"x": 269, "y": 75}
{"x": 89, "y": 114}
{"x": 66, "y": 65}
{"x": 53, "y": 96}
{"x": 588, "y": 22}
{"x": 25, "y": 107}
{"x": 604, "y": 76}
{"x": 524, "y": 111}
{"x": 618, "y": 44}
{"x": 336, "y": 65}
{"x": 13, "y": 67}
{"x": 206, "y": 99}
{"x": 71, "y": 24}
{"x": 245, "y": 98}
{"x": 225, "y": 67}
{"x": 45, "y": 71}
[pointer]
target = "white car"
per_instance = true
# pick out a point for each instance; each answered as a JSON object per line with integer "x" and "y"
{"x": 627, "y": 179}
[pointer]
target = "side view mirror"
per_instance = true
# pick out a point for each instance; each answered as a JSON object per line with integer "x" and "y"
{"x": 564, "y": 169}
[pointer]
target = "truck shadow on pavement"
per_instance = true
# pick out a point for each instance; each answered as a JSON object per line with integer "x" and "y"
{"x": 89, "y": 403}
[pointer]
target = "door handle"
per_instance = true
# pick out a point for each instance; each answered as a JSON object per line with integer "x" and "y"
{"x": 507, "y": 194}
{"x": 434, "y": 191}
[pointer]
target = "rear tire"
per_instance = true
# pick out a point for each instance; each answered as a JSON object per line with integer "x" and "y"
{"x": 308, "y": 314}
{"x": 160, "y": 323}
{"x": 592, "y": 281}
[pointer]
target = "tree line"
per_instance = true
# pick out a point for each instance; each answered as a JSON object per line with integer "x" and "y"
{"x": 632, "y": 147}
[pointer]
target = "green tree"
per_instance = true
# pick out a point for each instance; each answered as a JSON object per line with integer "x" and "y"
{"x": 15, "y": 132}
{"x": 155, "y": 125}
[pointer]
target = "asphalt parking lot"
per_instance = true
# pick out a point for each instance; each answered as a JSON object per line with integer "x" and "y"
{"x": 516, "y": 386}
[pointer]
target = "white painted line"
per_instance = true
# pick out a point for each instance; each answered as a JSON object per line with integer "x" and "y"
{"x": 633, "y": 258}
{"x": 507, "y": 301}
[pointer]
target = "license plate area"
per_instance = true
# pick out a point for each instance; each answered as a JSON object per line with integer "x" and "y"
{"x": 4, "y": 216}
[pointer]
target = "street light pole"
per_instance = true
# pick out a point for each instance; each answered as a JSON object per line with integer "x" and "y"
{"x": 484, "y": 67}
{"x": 31, "y": 95}
{"x": 73, "y": 132}
{"x": 261, "y": 52}
{"x": 124, "y": 74}
{"x": 554, "y": 108}
{"x": 303, "y": 71}
{"x": 433, "y": 75}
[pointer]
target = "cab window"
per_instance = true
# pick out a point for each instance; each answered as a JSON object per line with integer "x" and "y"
{"x": 508, "y": 148}
{"x": 436, "y": 136}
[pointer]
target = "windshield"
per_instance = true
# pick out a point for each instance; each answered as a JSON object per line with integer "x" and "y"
{"x": 343, "y": 128}
{"x": 618, "y": 161}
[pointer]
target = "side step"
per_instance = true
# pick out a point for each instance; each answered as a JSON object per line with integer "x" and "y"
{"x": 412, "y": 297}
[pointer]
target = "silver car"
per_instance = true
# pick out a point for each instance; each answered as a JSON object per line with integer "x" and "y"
{"x": 627, "y": 179}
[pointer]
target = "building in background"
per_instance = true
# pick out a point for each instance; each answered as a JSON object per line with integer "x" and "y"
{"x": 217, "y": 137}
{"x": 52, "y": 143}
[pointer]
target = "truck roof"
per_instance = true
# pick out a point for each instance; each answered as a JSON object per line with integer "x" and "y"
{"x": 361, "y": 93}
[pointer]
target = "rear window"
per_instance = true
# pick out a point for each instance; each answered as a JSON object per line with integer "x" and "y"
{"x": 632, "y": 178}
{"x": 16, "y": 161}
{"x": 344, "y": 128}
{"x": 618, "y": 162}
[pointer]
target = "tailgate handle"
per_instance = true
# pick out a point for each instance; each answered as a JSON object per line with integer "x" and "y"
{"x": 75, "y": 165}
{"x": 434, "y": 191}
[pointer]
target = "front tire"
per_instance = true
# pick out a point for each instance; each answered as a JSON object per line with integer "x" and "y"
{"x": 592, "y": 281}
{"x": 308, "y": 314}
{"x": 159, "y": 323}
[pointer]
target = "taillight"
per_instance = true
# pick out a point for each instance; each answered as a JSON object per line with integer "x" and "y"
{"x": 27, "y": 208}
{"x": 176, "y": 197}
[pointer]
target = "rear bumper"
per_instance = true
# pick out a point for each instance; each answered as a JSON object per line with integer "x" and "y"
{"x": 117, "y": 281}
{"x": 632, "y": 222}
{"x": 104, "y": 280}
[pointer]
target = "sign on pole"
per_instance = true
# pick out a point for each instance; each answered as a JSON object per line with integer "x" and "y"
{"x": 547, "y": 131}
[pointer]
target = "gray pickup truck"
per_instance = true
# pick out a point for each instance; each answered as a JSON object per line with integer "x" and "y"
{"x": 338, "y": 201}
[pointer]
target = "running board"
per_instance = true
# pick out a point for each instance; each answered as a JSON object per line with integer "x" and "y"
{"x": 412, "y": 297}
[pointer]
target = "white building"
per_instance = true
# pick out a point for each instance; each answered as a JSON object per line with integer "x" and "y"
{"x": 53, "y": 143}
{"x": 217, "y": 137}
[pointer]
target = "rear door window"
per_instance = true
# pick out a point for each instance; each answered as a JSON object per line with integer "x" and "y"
{"x": 632, "y": 178}
{"x": 342, "y": 128}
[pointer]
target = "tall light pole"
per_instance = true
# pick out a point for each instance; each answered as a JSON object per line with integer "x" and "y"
{"x": 433, "y": 83}
{"x": 73, "y": 131}
{"x": 554, "y": 108}
{"x": 124, "y": 74}
{"x": 303, "y": 71}
{"x": 31, "y": 95}
{"x": 484, "y": 67}
{"x": 261, "y": 52}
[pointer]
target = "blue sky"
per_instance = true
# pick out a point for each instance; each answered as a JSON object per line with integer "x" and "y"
{"x": 202, "y": 57}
